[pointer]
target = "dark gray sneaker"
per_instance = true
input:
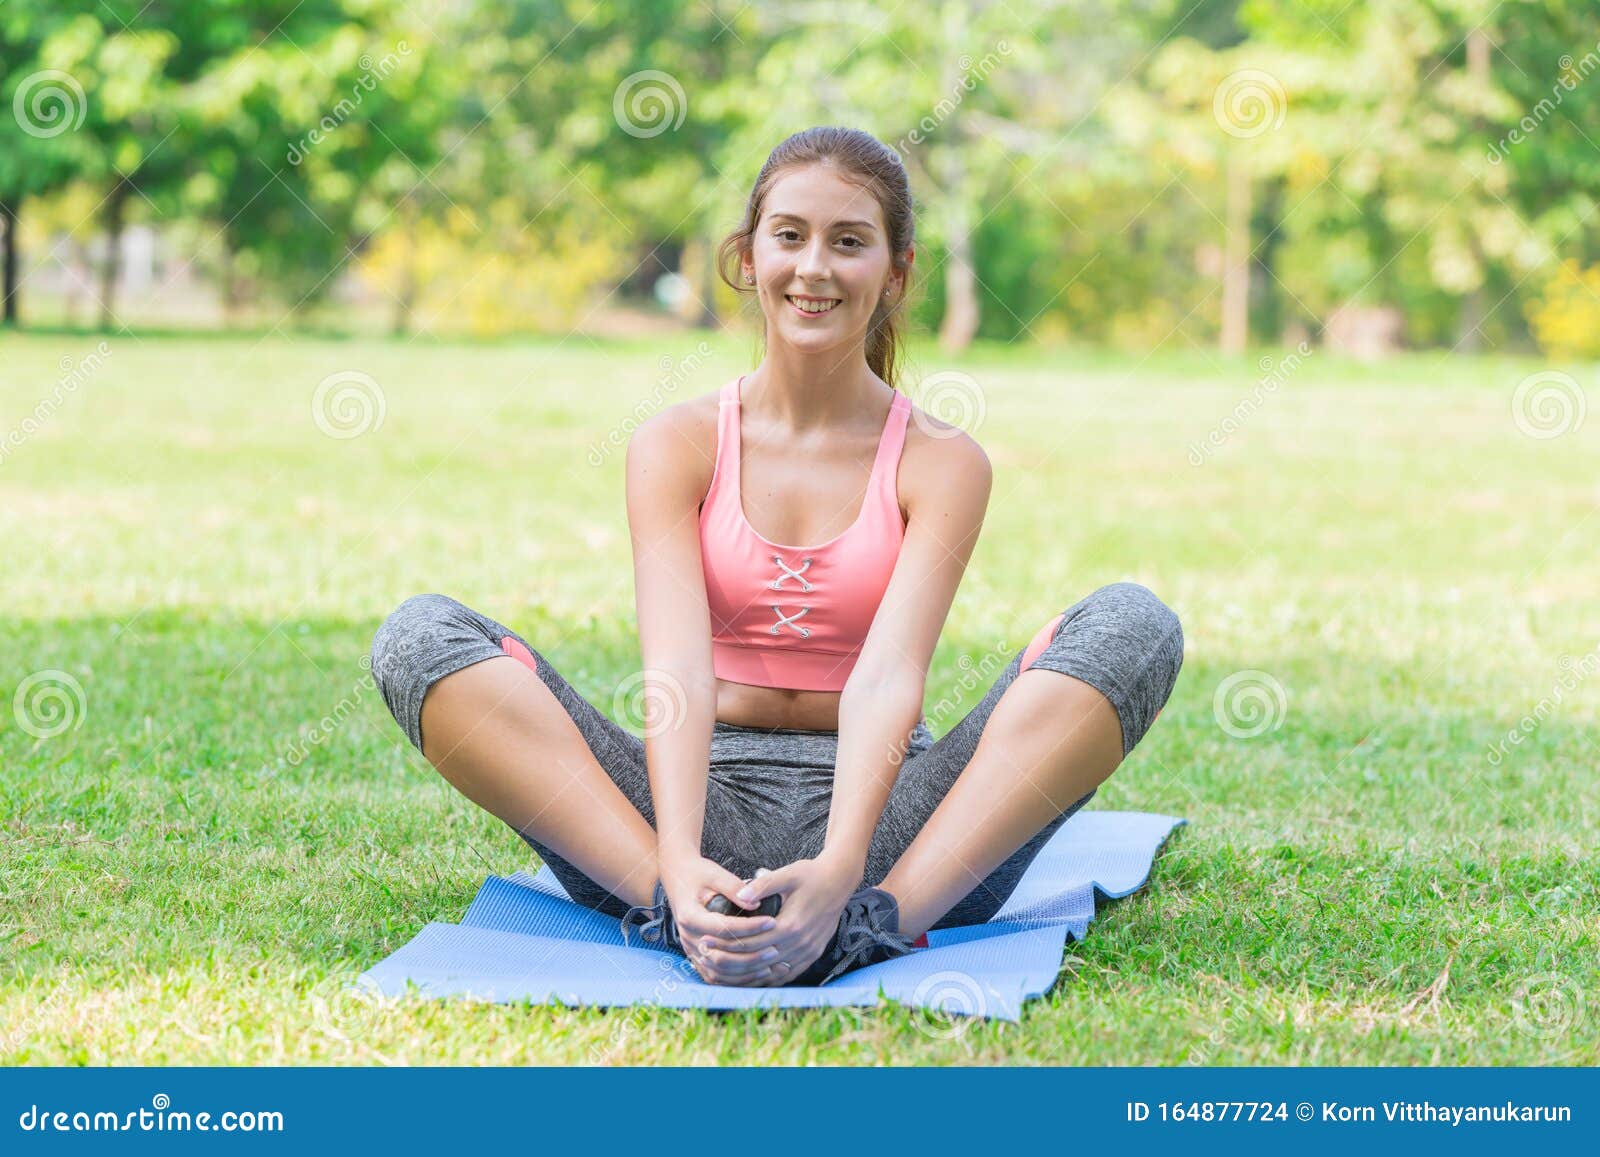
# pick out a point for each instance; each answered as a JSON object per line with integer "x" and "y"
{"x": 869, "y": 933}
{"x": 654, "y": 921}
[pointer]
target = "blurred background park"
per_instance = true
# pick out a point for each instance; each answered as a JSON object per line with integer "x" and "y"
{"x": 1288, "y": 311}
{"x": 1365, "y": 175}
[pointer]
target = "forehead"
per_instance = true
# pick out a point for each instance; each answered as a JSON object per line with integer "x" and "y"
{"x": 818, "y": 195}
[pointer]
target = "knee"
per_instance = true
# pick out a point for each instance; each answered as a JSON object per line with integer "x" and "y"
{"x": 397, "y": 635}
{"x": 1151, "y": 628}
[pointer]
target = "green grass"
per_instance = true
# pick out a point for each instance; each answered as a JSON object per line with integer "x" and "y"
{"x": 1360, "y": 885}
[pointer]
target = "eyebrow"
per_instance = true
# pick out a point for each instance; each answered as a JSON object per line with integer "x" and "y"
{"x": 836, "y": 224}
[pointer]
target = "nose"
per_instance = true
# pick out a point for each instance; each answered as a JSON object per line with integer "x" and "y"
{"x": 813, "y": 265}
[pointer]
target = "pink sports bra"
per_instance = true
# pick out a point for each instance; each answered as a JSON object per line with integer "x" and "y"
{"x": 795, "y": 616}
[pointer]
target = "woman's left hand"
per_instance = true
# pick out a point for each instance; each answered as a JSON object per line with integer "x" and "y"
{"x": 814, "y": 892}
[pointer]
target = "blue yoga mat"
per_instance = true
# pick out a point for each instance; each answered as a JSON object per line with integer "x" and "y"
{"x": 524, "y": 938}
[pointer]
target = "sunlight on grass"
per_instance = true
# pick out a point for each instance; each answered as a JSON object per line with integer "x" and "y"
{"x": 188, "y": 878}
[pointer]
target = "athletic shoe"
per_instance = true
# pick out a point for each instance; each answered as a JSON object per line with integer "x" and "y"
{"x": 654, "y": 921}
{"x": 869, "y": 933}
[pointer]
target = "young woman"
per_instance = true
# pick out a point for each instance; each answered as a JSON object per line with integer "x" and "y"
{"x": 792, "y": 741}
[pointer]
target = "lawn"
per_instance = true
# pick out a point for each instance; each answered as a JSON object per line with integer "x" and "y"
{"x": 193, "y": 865}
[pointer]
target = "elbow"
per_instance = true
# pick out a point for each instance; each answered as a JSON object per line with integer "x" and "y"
{"x": 899, "y": 690}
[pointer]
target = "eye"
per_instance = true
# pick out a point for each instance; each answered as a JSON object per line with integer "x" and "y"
{"x": 851, "y": 237}
{"x": 780, "y": 234}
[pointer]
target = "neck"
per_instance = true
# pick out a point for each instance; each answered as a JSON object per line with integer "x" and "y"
{"x": 804, "y": 389}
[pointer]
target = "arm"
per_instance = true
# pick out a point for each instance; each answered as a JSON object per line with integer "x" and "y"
{"x": 947, "y": 489}
{"x": 667, "y": 475}
{"x": 665, "y": 481}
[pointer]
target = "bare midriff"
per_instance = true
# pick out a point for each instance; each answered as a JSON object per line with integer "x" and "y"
{"x": 745, "y": 705}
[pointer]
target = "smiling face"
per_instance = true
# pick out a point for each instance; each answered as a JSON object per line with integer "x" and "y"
{"x": 820, "y": 257}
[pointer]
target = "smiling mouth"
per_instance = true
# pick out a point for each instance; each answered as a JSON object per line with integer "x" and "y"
{"x": 811, "y": 308}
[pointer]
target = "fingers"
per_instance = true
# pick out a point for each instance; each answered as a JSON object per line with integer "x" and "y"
{"x": 722, "y": 881}
{"x": 731, "y": 931}
{"x": 766, "y": 883}
{"x": 740, "y": 965}
{"x": 714, "y": 971}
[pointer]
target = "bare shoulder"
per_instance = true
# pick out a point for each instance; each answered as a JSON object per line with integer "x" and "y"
{"x": 676, "y": 447}
{"x": 942, "y": 468}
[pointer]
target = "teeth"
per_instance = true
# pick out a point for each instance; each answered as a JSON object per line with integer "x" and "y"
{"x": 814, "y": 306}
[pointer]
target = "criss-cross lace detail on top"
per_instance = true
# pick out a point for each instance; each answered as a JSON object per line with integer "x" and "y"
{"x": 790, "y": 573}
{"x": 789, "y": 621}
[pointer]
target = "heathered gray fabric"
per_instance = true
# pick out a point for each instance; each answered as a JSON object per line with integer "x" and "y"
{"x": 768, "y": 790}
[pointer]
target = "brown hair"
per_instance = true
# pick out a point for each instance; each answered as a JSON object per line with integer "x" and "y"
{"x": 861, "y": 157}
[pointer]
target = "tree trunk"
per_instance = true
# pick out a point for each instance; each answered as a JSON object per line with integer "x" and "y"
{"x": 708, "y": 288}
{"x": 116, "y": 208}
{"x": 961, "y": 311}
{"x": 8, "y": 262}
{"x": 405, "y": 299}
{"x": 1236, "y": 259}
{"x": 1474, "y": 308}
{"x": 229, "y": 287}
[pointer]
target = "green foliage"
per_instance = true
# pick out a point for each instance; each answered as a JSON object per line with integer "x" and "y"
{"x": 1439, "y": 159}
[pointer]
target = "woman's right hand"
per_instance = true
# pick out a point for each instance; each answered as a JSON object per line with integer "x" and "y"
{"x": 690, "y": 882}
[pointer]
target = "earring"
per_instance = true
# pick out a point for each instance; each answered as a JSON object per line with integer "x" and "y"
{"x": 749, "y": 279}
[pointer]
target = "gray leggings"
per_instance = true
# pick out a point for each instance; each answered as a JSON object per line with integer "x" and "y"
{"x": 768, "y": 789}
